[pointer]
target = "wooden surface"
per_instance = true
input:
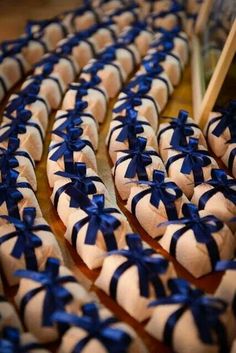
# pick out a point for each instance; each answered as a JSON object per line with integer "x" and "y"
{"x": 11, "y": 25}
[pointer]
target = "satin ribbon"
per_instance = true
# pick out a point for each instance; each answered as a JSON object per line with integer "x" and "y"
{"x": 10, "y": 342}
{"x": 132, "y": 33}
{"x": 149, "y": 267}
{"x": 72, "y": 142}
{"x": 26, "y": 236}
{"x": 51, "y": 283}
{"x": 206, "y": 313}
{"x": 110, "y": 53}
{"x": 231, "y": 159}
{"x": 220, "y": 183}
{"x": 48, "y": 63}
{"x": 194, "y": 160}
{"x": 160, "y": 190}
{"x": 78, "y": 188}
{"x": 203, "y": 229}
{"x": 8, "y": 157}
{"x": 227, "y": 119}
{"x": 10, "y": 194}
{"x": 113, "y": 338}
{"x": 73, "y": 118}
{"x": 98, "y": 218}
{"x": 181, "y": 129}
{"x": 38, "y": 79}
{"x": 139, "y": 158}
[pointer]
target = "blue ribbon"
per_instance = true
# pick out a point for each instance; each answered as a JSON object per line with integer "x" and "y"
{"x": 175, "y": 8}
{"x": 81, "y": 10}
{"x": 121, "y": 10}
{"x": 27, "y": 240}
{"x": 231, "y": 159}
{"x": 149, "y": 267}
{"x": 194, "y": 160}
{"x": 160, "y": 191}
{"x": 98, "y": 218}
{"x": 72, "y": 142}
{"x": 203, "y": 229}
{"x": 10, "y": 194}
{"x": 139, "y": 157}
{"x": 227, "y": 119}
{"x": 221, "y": 183}
{"x": 206, "y": 312}
{"x": 10, "y": 342}
{"x": 42, "y": 24}
{"x": 38, "y": 79}
{"x": 78, "y": 188}
{"x": 181, "y": 129}
{"x": 129, "y": 36}
{"x": 48, "y": 63}
{"x": 114, "y": 339}
{"x": 56, "y": 296}
{"x": 73, "y": 118}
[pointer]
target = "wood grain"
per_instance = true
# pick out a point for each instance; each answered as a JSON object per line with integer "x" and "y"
{"x": 12, "y": 20}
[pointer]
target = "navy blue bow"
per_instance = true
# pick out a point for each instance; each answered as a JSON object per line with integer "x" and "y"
{"x": 51, "y": 283}
{"x": 72, "y": 118}
{"x": 132, "y": 33}
{"x": 194, "y": 160}
{"x": 143, "y": 82}
{"x": 114, "y": 339}
{"x": 227, "y": 119}
{"x": 79, "y": 187}
{"x": 206, "y": 313}
{"x": 139, "y": 157}
{"x": 221, "y": 183}
{"x": 27, "y": 240}
{"x": 203, "y": 229}
{"x": 10, "y": 342}
{"x": 149, "y": 267}
{"x": 98, "y": 218}
{"x": 181, "y": 129}
{"x": 160, "y": 190}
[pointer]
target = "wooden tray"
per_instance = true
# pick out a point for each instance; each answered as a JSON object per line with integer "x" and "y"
{"x": 181, "y": 99}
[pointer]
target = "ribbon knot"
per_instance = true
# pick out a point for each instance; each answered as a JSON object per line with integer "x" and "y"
{"x": 10, "y": 342}
{"x": 51, "y": 282}
{"x": 149, "y": 267}
{"x": 228, "y": 119}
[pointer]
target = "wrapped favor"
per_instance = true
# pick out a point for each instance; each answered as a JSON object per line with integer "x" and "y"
{"x": 59, "y": 64}
{"x": 229, "y": 158}
{"x": 177, "y": 132}
{"x": 111, "y": 74}
{"x": 143, "y": 103}
{"x": 16, "y": 194}
{"x": 88, "y": 92}
{"x": 124, "y": 129}
{"x": 75, "y": 118}
{"x": 189, "y": 321}
{"x": 220, "y": 128}
{"x": 51, "y": 87}
{"x": 42, "y": 293}
{"x": 111, "y": 335}
{"x": 26, "y": 243}
{"x": 81, "y": 18}
{"x": 27, "y": 129}
{"x": 95, "y": 230}
{"x": 227, "y": 288}
{"x": 154, "y": 202}
{"x": 217, "y": 195}
{"x": 198, "y": 240}
{"x": 105, "y": 33}
{"x": 133, "y": 164}
{"x": 13, "y": 341}
{"x": 125, "y": 16}
{"x": 140, "y": 265}
{"x": 12, "y": 157}
{"x": 168, "y": 20}
{"x": 74, "y": 190}
{"x": 8, "y": 316}
{"x": 189, "y": 165}
{"x": 154, "y": 83}
{"x": 74, "y": 147}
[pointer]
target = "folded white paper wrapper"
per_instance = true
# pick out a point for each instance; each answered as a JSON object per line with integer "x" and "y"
{"x": 89, "y": 126}
{"x": 217, "y": 205}
{"x": 31, "y": 140}
{"x": 115, "y": 145}
{"x": 64, "y": 210}
{"x": 76, "y": 334}
{"x": 8, "y": 316}
{"x": 10, "y": 264}
{"x": 94, "y": 254}
{"x": 182, "y": 342}
{"x": 97, "y": 102}
{"x": 127, "y": 295}
{"x": 123, "y": 184}
{"x": 33, "y": 309}
{"x": 86, "y": 155}
{"x": 149, "y": 109}
{"x": 226, "y": 158}
{"x": 193, "y": 255}
{"x": 148, "y": 216}
{"x": 186, "y": 181}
